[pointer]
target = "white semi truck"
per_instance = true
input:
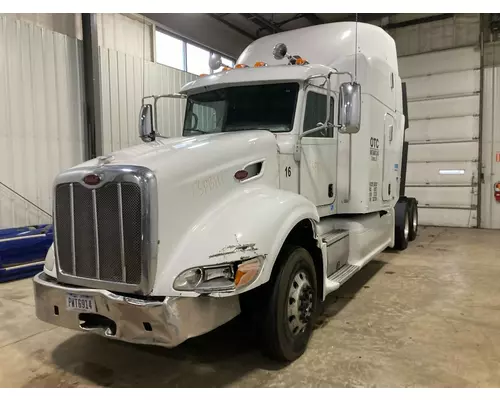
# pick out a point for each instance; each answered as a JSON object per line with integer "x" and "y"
{"x": 287, "y": 179}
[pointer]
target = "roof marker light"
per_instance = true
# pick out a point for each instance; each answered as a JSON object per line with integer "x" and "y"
{"x": 241, "y": 66}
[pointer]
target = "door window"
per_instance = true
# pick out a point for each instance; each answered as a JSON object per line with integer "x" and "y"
{"x": 316, "y": 112}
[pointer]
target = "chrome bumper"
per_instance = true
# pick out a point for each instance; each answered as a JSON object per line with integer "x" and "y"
{"x": 165, "y": 323}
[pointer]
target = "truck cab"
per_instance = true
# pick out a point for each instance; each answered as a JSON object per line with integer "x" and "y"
{"x": 285, "y": 181}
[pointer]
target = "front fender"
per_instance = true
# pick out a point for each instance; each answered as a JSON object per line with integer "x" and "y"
{"x": 258, "y": 216}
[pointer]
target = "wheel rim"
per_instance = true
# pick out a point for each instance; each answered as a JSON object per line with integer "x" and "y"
{"x": 415, "y": 219}
{"x": 407, "y": 226}
{"x": 300, "y": 303}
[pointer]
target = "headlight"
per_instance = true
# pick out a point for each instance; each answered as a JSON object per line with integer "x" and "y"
{"x": 219, "y": 278}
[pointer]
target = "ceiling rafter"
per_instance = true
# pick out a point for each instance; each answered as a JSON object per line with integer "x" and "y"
{"x": 313, "y": 19}
{"x": 263, "y": 22}
{"x": 232, "y": 26}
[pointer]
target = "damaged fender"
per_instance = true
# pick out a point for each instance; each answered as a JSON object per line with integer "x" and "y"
{"x": 251, "y": 221}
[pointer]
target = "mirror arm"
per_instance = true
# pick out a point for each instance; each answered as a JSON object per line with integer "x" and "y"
{"x": 341, "y": 73}
{"x": 155, "y": 110}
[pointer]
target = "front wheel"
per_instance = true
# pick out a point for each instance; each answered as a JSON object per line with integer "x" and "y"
{"x": 290, "y": 313}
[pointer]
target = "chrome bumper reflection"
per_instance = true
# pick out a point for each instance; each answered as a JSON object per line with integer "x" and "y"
{"x": 165, "y": 323}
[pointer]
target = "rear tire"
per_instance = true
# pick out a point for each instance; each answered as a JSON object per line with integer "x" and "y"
{"x": 402, "y": 224}
{"x": 413, "y": 219}
{"x": 290, "y": 312}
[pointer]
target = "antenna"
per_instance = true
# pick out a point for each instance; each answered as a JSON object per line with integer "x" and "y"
{"x": 144, "y": 56}
{"x": 356, "y": 51}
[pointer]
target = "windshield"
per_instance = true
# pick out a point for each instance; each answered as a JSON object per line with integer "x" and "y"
{"x": 270, "y": 107}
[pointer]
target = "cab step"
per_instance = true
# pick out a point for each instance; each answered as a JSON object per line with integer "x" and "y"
{"x": 340, "y": 276}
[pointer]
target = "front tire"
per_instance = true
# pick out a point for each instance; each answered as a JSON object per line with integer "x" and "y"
{"x": 290, "y": 313}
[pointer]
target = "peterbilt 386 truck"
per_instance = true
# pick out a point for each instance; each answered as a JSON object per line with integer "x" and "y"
{"x": 287, "y": 179}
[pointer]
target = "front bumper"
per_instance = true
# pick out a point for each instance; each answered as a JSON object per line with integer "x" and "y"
{"x": 165, "y": 323}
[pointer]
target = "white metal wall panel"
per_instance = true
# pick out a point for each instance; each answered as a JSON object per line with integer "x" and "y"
{"x": 447, "y": 217}
{"x": 462, "y": 59}
{"x": 125, "y": 81}
{"x": 123, "y": 32}
{"x": 441, "y": 108}
{"x": 490, "y": 208}
{"x": 41, "y": 114}
{"x": 443, "y": 129}
{"x": 432, "y": 152}
{"x": 443, "y": 196}
{"x": 462, "y": 30}
{"x": 443, "y": 85}
{"x": 439, "y": 173}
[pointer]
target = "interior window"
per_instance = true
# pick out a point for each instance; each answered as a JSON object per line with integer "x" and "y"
{"x": 316, "y": 112}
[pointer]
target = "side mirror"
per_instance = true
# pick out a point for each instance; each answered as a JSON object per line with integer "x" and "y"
{"x": 279, "y": 51}
{"x": 215, "y": 61}
{"x": 146, "y": 131}
{"x": 349, "y": 108}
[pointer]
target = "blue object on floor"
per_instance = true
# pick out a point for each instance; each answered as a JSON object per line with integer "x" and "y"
{"x": 23, "y": 250}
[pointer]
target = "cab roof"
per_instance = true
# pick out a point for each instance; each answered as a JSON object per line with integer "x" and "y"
{"x": 253, "y": 76}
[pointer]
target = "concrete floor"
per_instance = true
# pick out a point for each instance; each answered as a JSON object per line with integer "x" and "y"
{"x": 429, "y": 316}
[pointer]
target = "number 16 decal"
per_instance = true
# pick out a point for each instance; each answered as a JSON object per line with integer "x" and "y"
{"x": 288, "y": 172}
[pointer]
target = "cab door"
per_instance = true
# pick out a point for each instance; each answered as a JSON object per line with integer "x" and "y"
{"x": 318, "y": 162}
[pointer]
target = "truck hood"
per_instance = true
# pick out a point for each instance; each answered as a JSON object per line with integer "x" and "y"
{"x": 195, "y": 179}
{"x": 185, "y": 154}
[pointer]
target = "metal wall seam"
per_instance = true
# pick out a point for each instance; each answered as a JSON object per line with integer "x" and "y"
{"x": 41, "y": 115}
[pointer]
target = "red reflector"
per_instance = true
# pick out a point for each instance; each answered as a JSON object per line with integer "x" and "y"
{"x": 92, "y": 179}
{"x": 241, "y": 174}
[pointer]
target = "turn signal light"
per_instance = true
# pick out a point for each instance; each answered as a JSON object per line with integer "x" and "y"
{"x": 202, "y": 75}
{"x": 247, "y": 272}
{"x": 241, "y": 66}
{"x": 260, "y": 64}
{"x": 227, "y": 69}
{"x": 300, "y": 61}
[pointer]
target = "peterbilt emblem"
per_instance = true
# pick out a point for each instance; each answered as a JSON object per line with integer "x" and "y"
{"x": 92, "y": 179}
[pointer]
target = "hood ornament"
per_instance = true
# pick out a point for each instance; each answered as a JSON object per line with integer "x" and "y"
{"x": 103, "y": 160}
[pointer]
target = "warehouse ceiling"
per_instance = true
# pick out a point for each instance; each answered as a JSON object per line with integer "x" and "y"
{"x": 258, "y": 25}
{"x": 229, "y": 34}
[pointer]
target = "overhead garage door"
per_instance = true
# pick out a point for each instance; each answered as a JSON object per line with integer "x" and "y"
{"x": 443, "y": 107}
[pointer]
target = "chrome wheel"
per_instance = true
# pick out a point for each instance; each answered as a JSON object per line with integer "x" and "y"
{"x": 415, "y": 219}
{"x": 300, "y": 303}
{"x": 407, "y": 226}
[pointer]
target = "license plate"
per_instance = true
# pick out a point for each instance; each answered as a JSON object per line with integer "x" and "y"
{"x": 80, "y": 302}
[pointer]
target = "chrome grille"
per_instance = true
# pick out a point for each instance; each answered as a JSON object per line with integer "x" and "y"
{"x": 99, "y": 231}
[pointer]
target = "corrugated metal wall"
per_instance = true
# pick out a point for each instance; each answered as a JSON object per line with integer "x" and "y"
{"x": 42, "y": 109}
{"x": 41, "y": 116}
{"x": 127, "y": 33}
{"x": 125, "y": 81}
